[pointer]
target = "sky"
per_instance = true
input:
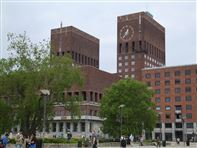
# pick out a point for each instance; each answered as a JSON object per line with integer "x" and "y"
{"x": 99, "y": 18}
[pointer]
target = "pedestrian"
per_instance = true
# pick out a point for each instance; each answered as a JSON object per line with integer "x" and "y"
{"x": 178, "y": 140}
{"x": 19, "y": 140}
{"x": 94, "y": 142}
{"x": 131, "y": 139}
{"x": 123, "y": 142}
{"x": 4, "y": 140}
{"x": 33, "y": 141}
{"x": 141, "y": 141}
{"x": 158, "y": 143}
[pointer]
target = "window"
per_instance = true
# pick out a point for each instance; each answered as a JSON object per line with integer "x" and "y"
{"x": 167, "y": 74}
{"x": 177, "y": 90}
{"x": 158, "y": 108}
{"x": 61, "y": 127}
{"x": 158, "y": 100}
{"x": 167, "y": 99}
{"x": 158, "y": 125}
{"x": 178, "y": 107}
{"x": 157, "y": 91}
{"x": 148, "y": 75}
{"x": 177, "y": 99}
{"x": 157, "y": 83}
{"x": 168, "y": 116}
{"x": 188, "y": 89}
{"x": 168, "y": 125}
{"x": 54, "y": 127}
{"x": 157, "y": 75}
{"x": 75, "y": 125}
{"x": 132, "y": 62}
{"x": 189, "y": 125}
{"x": 177, "y": 81}
{"x": 187, "y": 72}
{"x": 82, "y": 126}
{"x": 126, "y": 47}
{"x": 189, "y": 115}
{"x": 120, "y": 47}
{"x": 167, "y": 82}
{"x": 188, "y": 98}
{"x": 178, "y": 125}
{"x": 126, "y": 76}
{"x": 126, "y": 69}
{"x": 167, "y": 90}
{"x": 132, "y": 69}
{"x": 119, "y": 64}
{"x": 188, "y": 107}
{"x": 132, "y": 56}
{"x": 168, "y": 107}
{"x": 126, "y": 57}
{"x": 188, "y": 81}
{"x": 126, "y": 63}
{"x": 177, "y": 73}
{"x": 119, "y": 70}
{"x": 132, "y": 76}
{"x": 119, "y": 58}
{"x": 68, "y": 125}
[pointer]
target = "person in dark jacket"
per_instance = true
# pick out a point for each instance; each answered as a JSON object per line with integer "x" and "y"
{"x": 5, "y": 140}
{"x": 123, "y": 142}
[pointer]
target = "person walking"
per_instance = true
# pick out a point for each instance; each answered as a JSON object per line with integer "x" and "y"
{"x": 131, "y": 139}
{"x": 33, "y": 141}
{"x": 4, "y": 140}
{"x": 123, "y": 142}
{"x": 158, "y": 144}
{"x": 19, "y": 140}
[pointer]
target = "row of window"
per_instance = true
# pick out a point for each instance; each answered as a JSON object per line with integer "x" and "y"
{"x": 145, "y": 46}
{"x": 167, "y": 107}
{"x": 127, "y": 76}
{"x": 176, "y": 90}
{"x": 126, "y": 70}
{"x": 168, "y": 82}
{"x": 177, "y": 125}
{"x": 177, "y": 99}
{"x": 126, "y": 63}
{"x": 87, "y": 95}
{"x": 169, "y": 74}
{"x": 76, "y": 127}
{"x": 81, "y": 59}
{"x": 126, "y": 57}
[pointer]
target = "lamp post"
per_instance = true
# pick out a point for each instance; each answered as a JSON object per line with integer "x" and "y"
{"x": 160, "y": 121}
{"x": 183, "y": 122}
{"x": 121, "y": 106}
{"x": 45, "y": 93}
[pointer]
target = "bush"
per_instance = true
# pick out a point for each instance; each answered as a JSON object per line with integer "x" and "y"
{"x": 60, "y": 140}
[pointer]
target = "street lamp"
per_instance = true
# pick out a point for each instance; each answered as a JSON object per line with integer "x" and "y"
{"x": 45, "y": 93}
{"x": 183, "y": 124}
{"x": 160, "y": 121}
{"x": 121, "y": 106}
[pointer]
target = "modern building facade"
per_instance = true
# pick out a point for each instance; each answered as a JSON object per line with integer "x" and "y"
{"x": 83, "y": 47}
{"x": 176, "y": 100}
{"x": 140, "y": 43}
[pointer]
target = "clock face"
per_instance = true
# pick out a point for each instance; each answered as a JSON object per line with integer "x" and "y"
{"x": 126, "y": 32}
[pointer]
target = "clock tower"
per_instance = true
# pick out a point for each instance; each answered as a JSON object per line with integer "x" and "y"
{"x": 140, "y": 44}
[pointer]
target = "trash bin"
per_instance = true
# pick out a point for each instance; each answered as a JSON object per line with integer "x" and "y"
{"x": 39, "y": 143}
{"x": 164, "y": 143}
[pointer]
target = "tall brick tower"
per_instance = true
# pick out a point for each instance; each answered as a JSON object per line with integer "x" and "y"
{"x": 140, "y": 44}
{"x": 83, "y": 47}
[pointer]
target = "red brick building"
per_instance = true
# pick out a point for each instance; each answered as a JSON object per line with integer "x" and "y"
{"x": 83, "y": 47}
{"x": 84, "y": 50}
{"x": 140, "y": 43}
{"x": 175, "y": 98}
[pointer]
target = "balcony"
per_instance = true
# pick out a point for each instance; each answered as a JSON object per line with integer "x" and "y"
{"x": 178, "y": 120}
{"x": 177, "y": 111}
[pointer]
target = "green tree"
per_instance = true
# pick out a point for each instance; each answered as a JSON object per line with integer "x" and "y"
{"x": 29, "y": 69}
{"x": 137, "y": 114}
